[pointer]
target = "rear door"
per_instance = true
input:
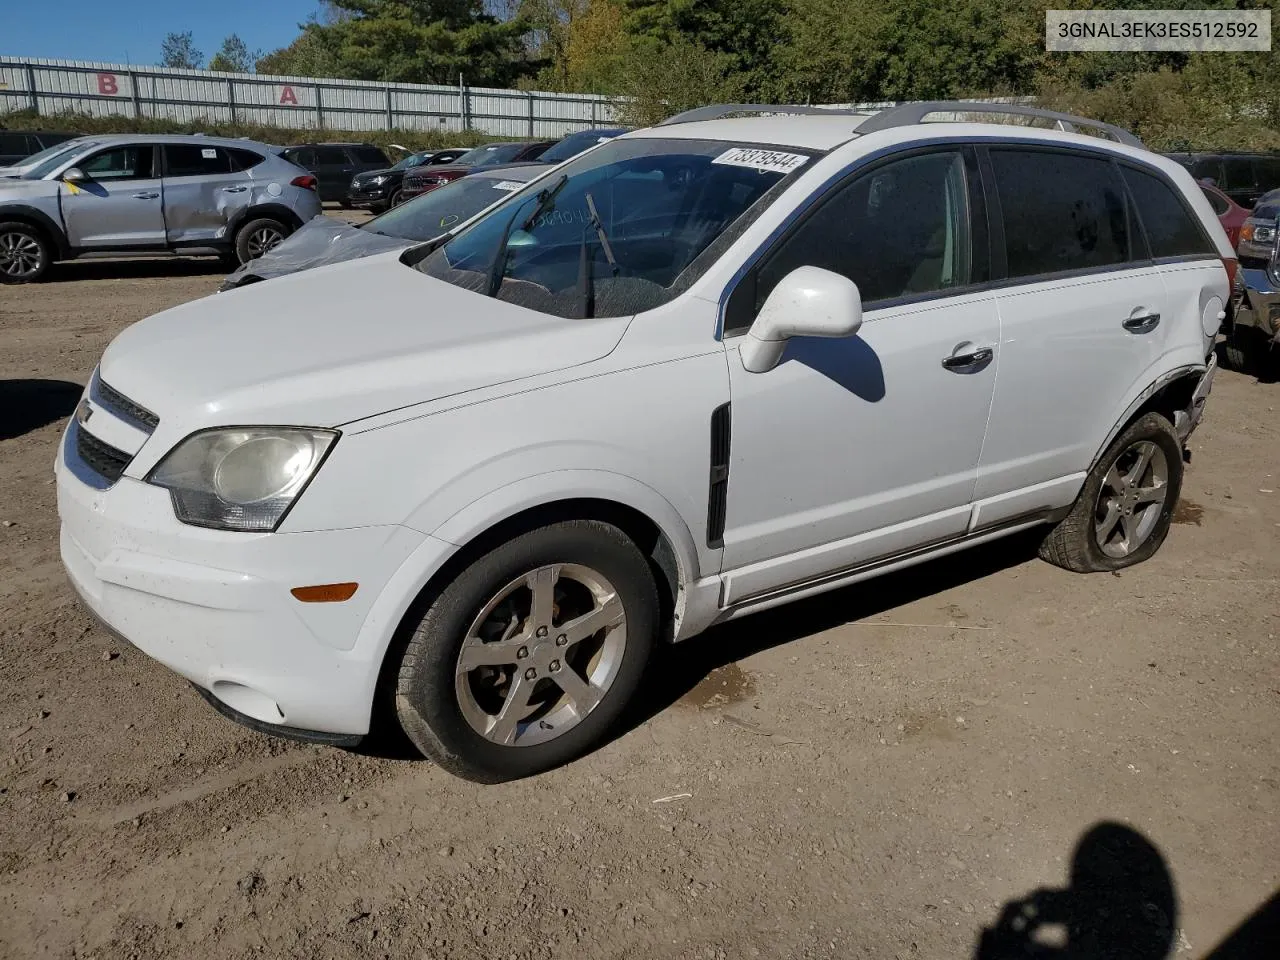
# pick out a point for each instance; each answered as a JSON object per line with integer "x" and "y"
{"x": 120, "y": 203}
{"x": 1239, "y": 179}
{"x": 203, "y": 192}
{"x": 1080, "y": 320}
{"x": 334, "y": 169}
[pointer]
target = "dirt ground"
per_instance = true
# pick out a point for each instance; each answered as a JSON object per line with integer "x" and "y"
{"x": 875, "y": 773}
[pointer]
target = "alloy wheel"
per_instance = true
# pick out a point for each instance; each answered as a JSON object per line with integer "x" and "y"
{"x": 541, "y": 655}
{"x": 1131, "y": 500}
{"x": 20, "y": 255}
{"x": 262, "y": 240}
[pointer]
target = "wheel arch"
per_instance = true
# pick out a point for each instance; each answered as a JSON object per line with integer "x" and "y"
{"x": 22, "y": 213}
{"x": 277, "y": 210}
{"x": 1167, "y": 394}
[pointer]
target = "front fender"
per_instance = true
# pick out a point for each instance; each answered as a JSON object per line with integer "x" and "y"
{"x": 543, "y": 489}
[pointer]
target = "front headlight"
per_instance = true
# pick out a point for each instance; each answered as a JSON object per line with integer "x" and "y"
{"x": 378, "y": 181}
{"x": 241, "y": 478}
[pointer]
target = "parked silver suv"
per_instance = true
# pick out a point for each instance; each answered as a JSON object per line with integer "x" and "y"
{"x": 136, "y": 193}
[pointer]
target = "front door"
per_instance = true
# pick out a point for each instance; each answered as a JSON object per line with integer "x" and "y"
{"x": 857, "y": 449}
{"x": 203, "y": 192}
{"x": 120, "y": 204}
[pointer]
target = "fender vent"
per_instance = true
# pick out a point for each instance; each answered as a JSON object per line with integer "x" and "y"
{"x": 718, "y": 493}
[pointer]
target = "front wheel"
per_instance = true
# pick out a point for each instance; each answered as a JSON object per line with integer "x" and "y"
{"x": 1122, "y": 514}
{"x": 528, "y": 657}
{"x": 25, "y": 254}
{"x": 397, "y": 198}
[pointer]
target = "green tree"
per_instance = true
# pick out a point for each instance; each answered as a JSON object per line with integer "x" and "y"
{"x": 179, "y": 50}
{"x": 313, "y": 53}
{"x": 234, "y": 57}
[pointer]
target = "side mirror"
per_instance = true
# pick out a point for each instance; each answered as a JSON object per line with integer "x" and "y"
{"x": 73, "y": 175}
{"x": 807, "y": 302}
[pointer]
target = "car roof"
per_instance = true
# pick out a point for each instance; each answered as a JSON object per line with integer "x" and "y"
{"x": 109, "y": 138}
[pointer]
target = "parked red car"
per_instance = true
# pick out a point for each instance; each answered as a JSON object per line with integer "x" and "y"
{"x": 1230, "y": 214}
{"x": 420, "y": 180}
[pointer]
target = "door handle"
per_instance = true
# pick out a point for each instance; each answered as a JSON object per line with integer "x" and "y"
{"x": 1143, "y": 323}
{"x": 146, "y": 196}
{"x": 234, "y": 189}
{"x": 969, "y": 361}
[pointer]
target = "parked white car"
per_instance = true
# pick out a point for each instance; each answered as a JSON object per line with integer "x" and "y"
{"x": 702, "y": 370}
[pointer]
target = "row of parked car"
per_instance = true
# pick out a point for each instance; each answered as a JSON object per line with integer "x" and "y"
{"x": 235, "y": 198}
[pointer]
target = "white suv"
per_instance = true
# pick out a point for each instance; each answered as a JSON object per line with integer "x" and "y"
{"x": 700, "y": 370}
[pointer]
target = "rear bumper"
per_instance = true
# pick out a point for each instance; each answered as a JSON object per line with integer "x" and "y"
{"x": 1186, "y": 421}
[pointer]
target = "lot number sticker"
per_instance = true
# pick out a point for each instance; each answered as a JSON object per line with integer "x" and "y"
{"x": 507, "y": 185}
{"x": 772, "y": 161}
{"x": 209, "y": 153}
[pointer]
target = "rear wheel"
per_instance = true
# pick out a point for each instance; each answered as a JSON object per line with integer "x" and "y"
{"x": 258, "y": 237}
{"x": 1237, "y": 350}
{"x": 25, "y": 254}
{"x": 527, "y": 658}
{"x": 1122, "y": 514}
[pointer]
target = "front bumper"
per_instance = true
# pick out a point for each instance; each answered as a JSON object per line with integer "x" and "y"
{"x": 1260, "y": 306}
{"x": 215, "y": 607}
{"x": 369, "y": 194}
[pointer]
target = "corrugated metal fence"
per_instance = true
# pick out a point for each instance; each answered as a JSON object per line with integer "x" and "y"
{"x": 106, "y": 89}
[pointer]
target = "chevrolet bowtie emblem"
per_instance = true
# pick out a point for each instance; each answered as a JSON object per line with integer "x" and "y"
{"x": 83, "y": 412}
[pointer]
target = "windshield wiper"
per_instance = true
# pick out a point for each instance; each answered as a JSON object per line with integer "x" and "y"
{"x": 586, "y": 276}
{"x": 498, "y": 265}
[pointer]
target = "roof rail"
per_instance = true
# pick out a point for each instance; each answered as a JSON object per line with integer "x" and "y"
{"x": 912, "y": 113}
{"x": 716, "y": 111}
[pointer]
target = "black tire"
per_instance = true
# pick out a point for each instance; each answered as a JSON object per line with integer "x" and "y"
{"x": 397, "y": 197}
{"x": 427, "y": 701}
{"x": 345, "y": 204}
{"x": 246, "y": 243}
{"x": 25, "y": 252}
{"x": 1073, "y": 543}
{"x": 1237, "y": 350}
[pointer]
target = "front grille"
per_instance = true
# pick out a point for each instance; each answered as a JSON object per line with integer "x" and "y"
{"x": 126, "y": 409}
{"x": 102, "y": 458}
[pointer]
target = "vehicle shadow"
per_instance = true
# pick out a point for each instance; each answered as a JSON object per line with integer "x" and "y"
{"x": 27, "y": 405}
{"x": 1120, "y": 904}
{"x": 677, "y": 670}
{"x": 135, "y": 269}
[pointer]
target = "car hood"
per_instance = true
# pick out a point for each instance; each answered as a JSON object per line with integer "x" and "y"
{"x": 337, "y": 344}
{"x": 368, "y": 174}
{"x": 448, "y": 169}
{"x": 27, "y": 189}
{"x": 318, "y": 242}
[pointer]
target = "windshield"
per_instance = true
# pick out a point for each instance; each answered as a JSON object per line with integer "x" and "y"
{"x": 439, "y": 211}
{"x": 574, "y": 144}
{"x": 494, "y": 153}
{"x": 413, "y": 160}
{"x": 625, "y": 229}
{"x": 47, "y": 160}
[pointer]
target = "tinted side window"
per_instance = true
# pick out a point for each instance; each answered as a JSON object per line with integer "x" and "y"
{"x": 1172, "y": 230}
{"x": 244, "y": 159}
{"x": 15, "y": 144}
{"x": 371, "y": 155}
{"x": 897, "y": 230}
{"x": 1210, "y": 167}
{"x": 1238, "y": 173}
{"x": 194, "y": 160}
{"x": 1062, "y": 212}
{"x": 1268, "y": 169}
{"x": 331, "y": 156}
{"x": 302, "y": 156}
{"x": 119, "y": 163}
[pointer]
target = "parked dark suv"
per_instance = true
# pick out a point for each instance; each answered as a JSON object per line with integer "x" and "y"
{"x": 334, "y": 164}
{"x": 1244, "y": 177}
{"x": 380, "y": 189}
{"x": 17, "y": 145}
{"x": 420, "y": 180}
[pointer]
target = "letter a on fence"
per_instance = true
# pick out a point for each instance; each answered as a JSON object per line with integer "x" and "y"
{"x": 288, "y": 96}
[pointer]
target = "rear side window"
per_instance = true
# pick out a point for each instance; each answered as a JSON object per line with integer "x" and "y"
{"x": 195, "y": 160}
{"x": 1238, "y": 173}
{"x": 1210, "y": 167}
{"x": 244, "y": 159}
{"x": 1062, "y": 212}
{"x": 370, "y": 155}
{"x": 331, "y": 156}
{"x": 1268, "y": 172}
{"x": 15, "y": 143}
{"x": 1172, "y": 230}
{"x": 302, "y": 156}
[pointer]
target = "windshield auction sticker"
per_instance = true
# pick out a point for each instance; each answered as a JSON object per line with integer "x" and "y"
{"x": 1158, "y": 30}
{"x": 771, "y": 161}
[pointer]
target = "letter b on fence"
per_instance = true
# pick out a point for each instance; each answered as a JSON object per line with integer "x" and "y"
{"x": 108, "y": 85}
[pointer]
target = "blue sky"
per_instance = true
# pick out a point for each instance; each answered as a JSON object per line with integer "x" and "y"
{"x": 130, "y": 31}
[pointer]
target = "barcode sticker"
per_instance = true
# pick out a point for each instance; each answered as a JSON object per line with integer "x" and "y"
{"x": 772, "y": 161}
